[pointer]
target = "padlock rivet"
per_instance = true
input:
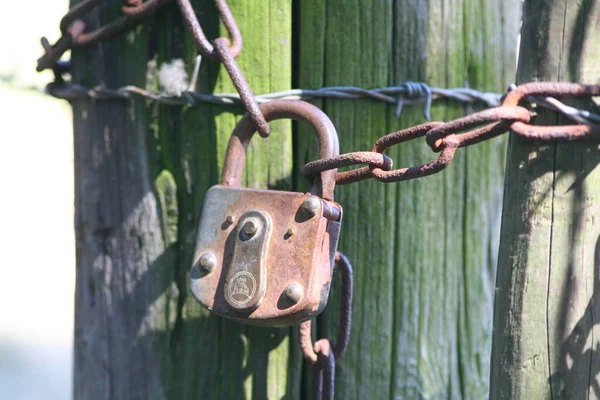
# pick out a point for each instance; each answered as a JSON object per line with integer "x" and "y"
{"x": 311, "y": 205}
{"x": 289, "y": 232}
{"x": 230, "y": 219}
{"x": 293, "y": 292}
{"x": 207, "y": 262}
{"x": 250, "y": 228}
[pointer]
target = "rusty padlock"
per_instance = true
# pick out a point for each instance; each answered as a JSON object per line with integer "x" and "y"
{"x": 265, "y": 257}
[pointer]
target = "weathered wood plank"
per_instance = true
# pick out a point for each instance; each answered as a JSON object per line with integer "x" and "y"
{"x": 141, "y": 177}
{"x": 422, "y": 251}
{"x": 352, "y": 41}
{"x": 544, "y": 344}
{"x": 123, "y": 289}
{"x": 248, "y": 361}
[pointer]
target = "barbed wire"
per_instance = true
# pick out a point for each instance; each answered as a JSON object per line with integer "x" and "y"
{"x": 73, "y": 91}
{"x": 407, "y": 93}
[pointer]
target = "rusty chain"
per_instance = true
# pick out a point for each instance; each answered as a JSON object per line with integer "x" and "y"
{"x": 221, "y": 50}
{"x": 323, "y": 354}
{"x": 74, "y": 35}
{"x": 446, "y": 137}
{"x": 73, "y": 28}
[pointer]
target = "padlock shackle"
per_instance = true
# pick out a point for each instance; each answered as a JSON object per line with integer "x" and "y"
{"x": 235, "y": 157}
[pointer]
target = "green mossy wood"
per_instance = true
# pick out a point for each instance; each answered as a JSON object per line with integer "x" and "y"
{"x": 548, "y": 288}
{"x": 423, "y": 251}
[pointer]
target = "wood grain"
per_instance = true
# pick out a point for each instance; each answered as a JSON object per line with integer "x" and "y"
{"x": 142, "y": 171}
{"x": 547, "y": 285}
{"x": 423, "y": 251}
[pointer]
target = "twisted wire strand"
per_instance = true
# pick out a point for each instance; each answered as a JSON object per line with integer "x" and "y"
{"x": 73, "y": 91}
{"x": 408, "y": 93}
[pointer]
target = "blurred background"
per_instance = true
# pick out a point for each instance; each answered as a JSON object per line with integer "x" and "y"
{"x": 37, "y": 264}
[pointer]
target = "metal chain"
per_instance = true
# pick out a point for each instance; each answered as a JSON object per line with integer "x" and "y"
{"x": 202, "y": 43}
{"x": 221, "y": 50}
{"x": 73, "y": 29}
{"x": 441, "y": 137}
{"x": 323, "y": 354}
{"x": 446, "y": 137}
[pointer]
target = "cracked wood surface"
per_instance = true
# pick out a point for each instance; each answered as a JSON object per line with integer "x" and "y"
{"x": 548, "y": 289}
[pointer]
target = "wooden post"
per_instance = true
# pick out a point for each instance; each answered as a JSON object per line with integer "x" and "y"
{"x": 422, "y": 251}
{"x": 547, "y": 297}
{"x": 142, "y": 171}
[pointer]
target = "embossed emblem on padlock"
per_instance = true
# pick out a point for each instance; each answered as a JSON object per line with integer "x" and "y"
{"x": 266, "y": 257}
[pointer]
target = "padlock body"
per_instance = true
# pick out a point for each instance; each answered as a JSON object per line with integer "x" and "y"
{"x": 271, "y": 261}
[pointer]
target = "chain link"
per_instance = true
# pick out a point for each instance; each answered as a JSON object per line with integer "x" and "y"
{"x": 221, "y": 50}
{"x": 202, "y": 43}
{"x": 73, "y": 28}
{"x": 323, "y": 354}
